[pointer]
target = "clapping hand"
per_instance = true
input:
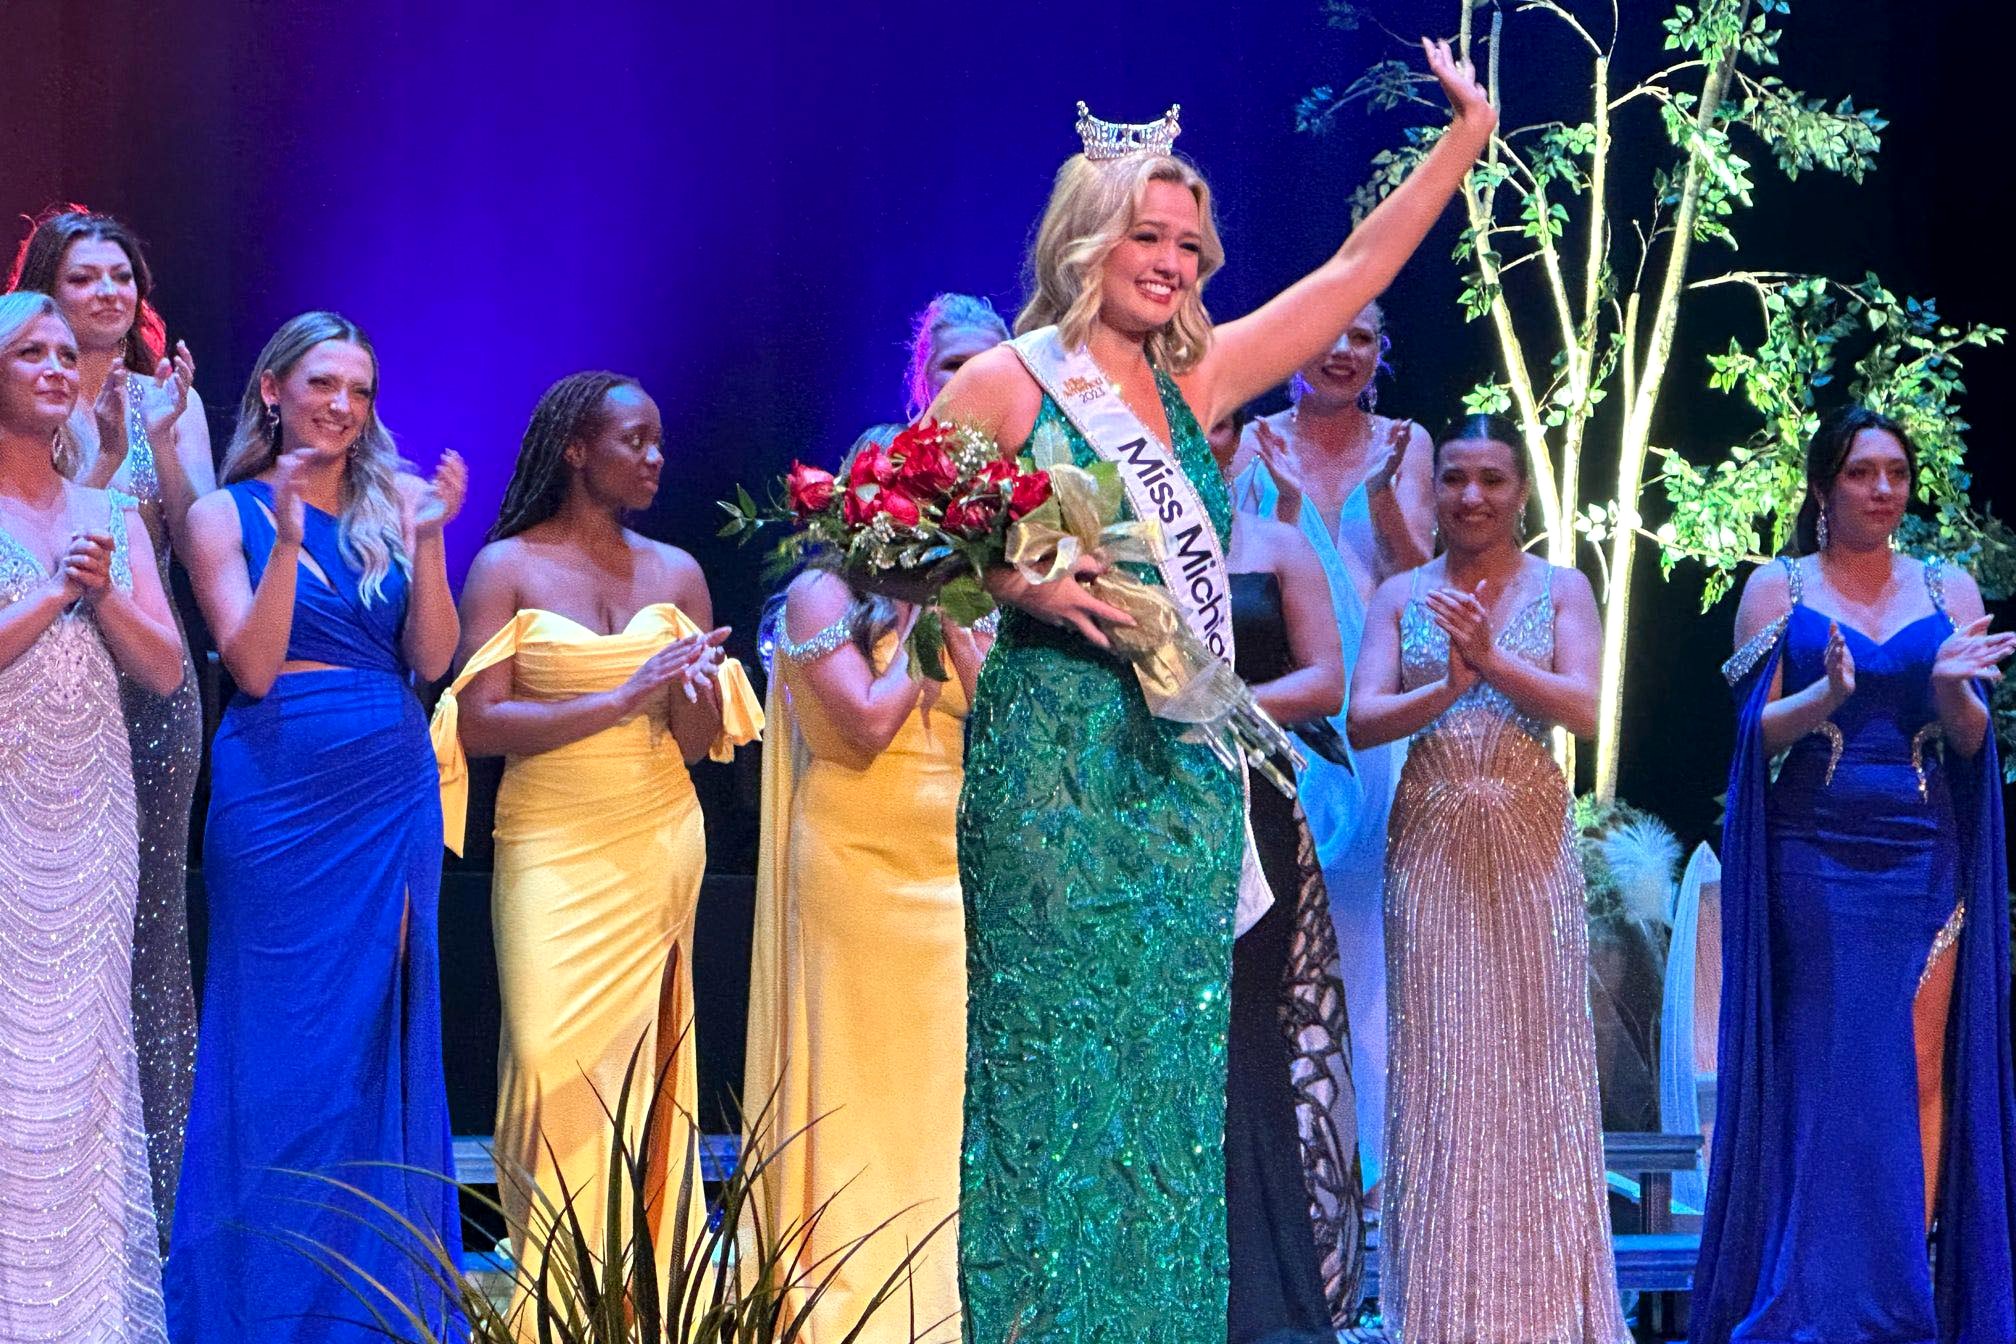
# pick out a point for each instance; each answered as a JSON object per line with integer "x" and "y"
{"x": 163, "y": 398}
{"x": 1465, "y": 621}
{"x": 289, "y": 509}
{"x": 1839, "y": 664}
{"x": 85, "y": 571}
{"x": 1971, "y": 654}
{"x": 1398, "y": 435}
{"x": 445, "y": 492}
{"x": 690, "y": 662}
{"x": 1284, "y": 463}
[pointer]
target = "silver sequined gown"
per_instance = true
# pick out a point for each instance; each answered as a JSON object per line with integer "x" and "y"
{"x": 165, "y": 734}
{"x": 1496, "y": 1228}
{"x": 78, "y": 1255}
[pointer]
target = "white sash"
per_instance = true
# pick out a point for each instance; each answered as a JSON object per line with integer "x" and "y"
{"x": 1192, "y": 564}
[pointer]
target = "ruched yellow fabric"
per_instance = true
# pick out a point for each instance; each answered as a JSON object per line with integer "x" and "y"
{"x": 857, "y": 1008}
{"x": 599, "y": 855}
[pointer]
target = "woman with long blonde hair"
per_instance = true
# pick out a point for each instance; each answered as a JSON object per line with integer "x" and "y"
{"x": 79, "y": 605}
{"x": 1100, "y": 853}
{"x": 321, "y": 571}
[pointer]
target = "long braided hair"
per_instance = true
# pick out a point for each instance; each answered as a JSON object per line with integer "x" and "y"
{"x": 571, "y": 409}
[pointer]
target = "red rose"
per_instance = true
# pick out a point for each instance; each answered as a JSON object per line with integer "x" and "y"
{"x": 897, "y": 505}
{"x": 868, "y": 477}
{"x": 995, "y": 474}
{"x": 808, "y": 488}
{"x": 927, "y": 468}
{"x": 973, "y": 517}
{"x": 872, "y": 466}
{"x": 1030, "y": 491}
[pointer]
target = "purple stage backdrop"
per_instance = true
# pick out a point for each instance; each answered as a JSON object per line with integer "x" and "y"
{"x": 742, "y": 204}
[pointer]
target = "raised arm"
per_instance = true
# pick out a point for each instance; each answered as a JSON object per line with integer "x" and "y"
{"x": 1314, "y": 689}
{"x": 1257, "y": 352}
{"x": 188, "y": 473}
{"x": 1380, "y": 710}
{"x": 1401, "y": 497}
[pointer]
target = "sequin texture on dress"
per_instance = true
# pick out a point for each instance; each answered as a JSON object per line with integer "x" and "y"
{"x": 1496, "y": 1222}
{"x": 165, "y": 736}
{"x": 78, "y": 1257}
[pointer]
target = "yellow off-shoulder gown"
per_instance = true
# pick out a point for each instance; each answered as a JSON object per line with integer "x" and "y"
{"x": 857, "y": 1007}
{"x": 599, "y": 855}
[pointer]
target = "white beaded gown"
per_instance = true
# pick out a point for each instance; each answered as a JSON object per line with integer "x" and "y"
{"x": 78, "y": 1255}
{"x": 1496, "y": 1225}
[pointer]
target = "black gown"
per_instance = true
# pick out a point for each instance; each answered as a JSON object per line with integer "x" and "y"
{"x": 1293, "y": 1197}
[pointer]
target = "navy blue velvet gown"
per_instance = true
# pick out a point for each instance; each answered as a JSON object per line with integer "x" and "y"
{"x": 1869, "y": 855}
{"x": 319, "y": 1047}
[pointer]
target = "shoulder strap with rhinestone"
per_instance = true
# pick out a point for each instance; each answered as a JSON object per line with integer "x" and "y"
{"x": 815, "y": 646}
{"x": 1935, "y": 584}
{"x": 1744, "y": 660}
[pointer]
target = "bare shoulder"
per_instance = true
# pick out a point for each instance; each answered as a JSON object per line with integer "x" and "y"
{"x": 1957, "y": 587}
{"x": 215, "y": 509}
{"x": 1392, "y": 594}
{"x": 498, "y": 564}
{"x": 676, "y": 571}
{"x": 815, "y": 599}
{"x": 995, "y": 392}
{"x": 1767, "y": 595}
{"x": 1768, "y": 588}
{"x": 1571, "y": 584}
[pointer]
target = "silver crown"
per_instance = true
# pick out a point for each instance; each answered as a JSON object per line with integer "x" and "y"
{"x": 1117, "y": 140}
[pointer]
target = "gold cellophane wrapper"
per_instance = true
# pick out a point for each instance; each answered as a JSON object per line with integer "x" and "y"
{"x": 1182, "y": 680}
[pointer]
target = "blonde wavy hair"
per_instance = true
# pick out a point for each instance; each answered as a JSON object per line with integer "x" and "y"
{"x": 1092, "y": 205}
{"x": 369, "y": 526}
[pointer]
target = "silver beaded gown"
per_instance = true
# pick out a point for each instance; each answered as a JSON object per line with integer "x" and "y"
{"x": 165, "y": 735}
{"x": 1496, "y": 1227}
{"x": 78, "y": 1252}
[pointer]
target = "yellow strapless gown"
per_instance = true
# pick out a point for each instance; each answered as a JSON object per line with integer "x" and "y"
{"x": 857, "y": 1006}
{"x": 599, "y": 855}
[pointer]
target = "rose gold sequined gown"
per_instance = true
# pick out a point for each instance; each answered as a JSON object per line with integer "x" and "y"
{"x": 1496, "y": 1226}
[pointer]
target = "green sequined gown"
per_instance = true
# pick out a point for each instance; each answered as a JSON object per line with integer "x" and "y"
{"x": 1100, "y": 862}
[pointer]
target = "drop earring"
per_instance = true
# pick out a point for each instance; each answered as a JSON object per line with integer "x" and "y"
{"x": 1820, "y": 528}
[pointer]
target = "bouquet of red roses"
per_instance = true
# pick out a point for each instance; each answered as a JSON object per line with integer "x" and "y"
{"x": 919, "y": 520}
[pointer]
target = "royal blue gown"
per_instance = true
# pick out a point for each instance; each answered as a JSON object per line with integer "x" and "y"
{"x": 1869, "y": 854}
{"x": 319, "y": 1048}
